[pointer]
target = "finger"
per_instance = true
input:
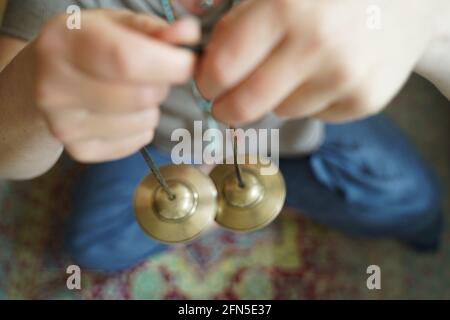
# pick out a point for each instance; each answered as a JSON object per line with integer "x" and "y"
{"x": 123, "y": 55}
{"x": 99, "y": 151}
{"x": 266, "y": 87}
{"x": 109, "y": 127}
{"x": 349, "y": 109}
{"x": 110, "y": 97}
{"x": 240, "y": 42}
{"x": 140, "y": 22}
{"x": 184, "y": 31}
{"x": 311, "y": 97}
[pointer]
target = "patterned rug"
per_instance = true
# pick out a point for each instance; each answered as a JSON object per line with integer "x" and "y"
{"x": 292, "y": 259}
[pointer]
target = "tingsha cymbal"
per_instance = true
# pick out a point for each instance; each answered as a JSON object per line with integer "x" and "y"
{"x": 255, "y": 204}
{"x": 179, "y": 219}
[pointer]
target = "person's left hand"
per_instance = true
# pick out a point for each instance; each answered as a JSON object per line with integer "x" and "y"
{"x": 313, "y": 58}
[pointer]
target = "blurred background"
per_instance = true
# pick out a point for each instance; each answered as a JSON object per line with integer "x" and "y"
{"x": 293, "y": 258}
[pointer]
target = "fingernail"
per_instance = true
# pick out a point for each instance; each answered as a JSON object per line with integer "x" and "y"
{"x": 187, "y": 26}
{"x": 189, "y": 21}
{"x": 205, "y": 86}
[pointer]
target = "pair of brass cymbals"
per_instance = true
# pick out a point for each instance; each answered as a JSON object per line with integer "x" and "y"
{"x": 198, "y": 200}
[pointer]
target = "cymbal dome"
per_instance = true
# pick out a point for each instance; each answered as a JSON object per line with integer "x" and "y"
{"x": 245, "y": 196}
{"x": 180, "y": 207}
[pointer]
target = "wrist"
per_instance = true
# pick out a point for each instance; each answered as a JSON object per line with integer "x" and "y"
{"x": 434, "y": 64}
{"x": 27, "y": 149}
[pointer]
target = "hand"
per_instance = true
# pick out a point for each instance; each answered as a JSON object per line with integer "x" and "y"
{"x": 313, "y": 58}
{"x": 99, "y": 88}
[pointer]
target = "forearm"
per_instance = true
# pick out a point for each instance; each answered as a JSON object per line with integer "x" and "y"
{"x": 435, "y": 63}
{"x": 27, "y": 149}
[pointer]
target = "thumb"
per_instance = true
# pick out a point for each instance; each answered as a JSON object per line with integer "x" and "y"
{"x": 183, "y": 31}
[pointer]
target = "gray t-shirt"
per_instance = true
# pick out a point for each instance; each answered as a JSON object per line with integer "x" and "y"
{"x": 24, "y": 19}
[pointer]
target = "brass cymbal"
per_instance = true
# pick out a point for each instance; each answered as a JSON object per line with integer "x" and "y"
{"x": 180, "y": 219}
{"x": 254, "y": 205}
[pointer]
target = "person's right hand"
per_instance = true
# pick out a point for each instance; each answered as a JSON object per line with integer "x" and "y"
{"x": 99, "y": 88}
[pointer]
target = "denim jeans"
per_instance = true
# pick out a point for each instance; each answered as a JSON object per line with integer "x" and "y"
{"x": 366, "y": 179}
